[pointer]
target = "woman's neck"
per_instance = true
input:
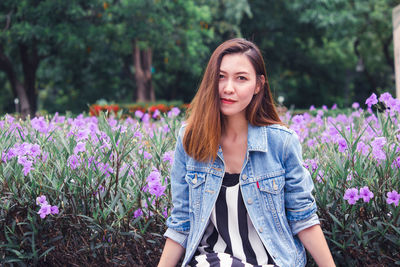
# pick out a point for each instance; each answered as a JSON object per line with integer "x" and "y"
{"x": 234, "y": 127}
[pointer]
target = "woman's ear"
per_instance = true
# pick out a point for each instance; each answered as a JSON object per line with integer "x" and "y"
{"x": 260, "y": 84}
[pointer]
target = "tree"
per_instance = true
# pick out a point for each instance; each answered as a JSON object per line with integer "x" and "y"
{"x": 34, "y": 31}
{"x": 324, "y": 51}
{"x": 157, "y": 29}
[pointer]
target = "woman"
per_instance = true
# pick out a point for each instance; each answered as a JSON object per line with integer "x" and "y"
{"x": 240, "y": 193}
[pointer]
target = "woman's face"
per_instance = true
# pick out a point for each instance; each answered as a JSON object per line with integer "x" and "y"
{"x": 237, "y": 84}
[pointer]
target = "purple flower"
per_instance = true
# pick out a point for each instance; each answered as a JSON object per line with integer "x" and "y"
{"x": 54, "y": 210}
{"x": 168, "y": 156}
{"x": 366, "y": 194}
{"x": 44, "y": 210}
{"x": 157, "y": 189}
{"x": 73, "y": 162}
{"x": 372, "y": 100}
{"x": 138, "y": 114}
{"x": 396, "y": 163}
{"x": 298, "y": 119}
{"x": 82, "y": 134}
{"x": 377, "y": 148}
{"x": 385, "y": 98}
{"x": 174, "y": 112}
{"x": 362, "y": 148}
{"x": 147, "y": 155}
{"x": 153, "y": 177}
{"x": 312, "y": 107}
{"x": 80, "y": 147}
{"x": 112, "y": 122}
{"x": 27, "y": 164}
{"x": 105, "y": 168}
{"x": 334, "y": 106}
{"x": 154, "y": 186}
{"x": 41, "y": 200}
{"x": 165, "y": 128}
{"x": 39, "y": 124}
{"x": 156, "y": 113}
{"x": 351, "y": 195}
{"x": 165, "y": 212}
{"x": 393, "y": 197}
{"x": 35, "y": 150}
{"x": 11, "y": 153}
{"x": 349, "y": 176}
{"x": 146, "y": 118}
{"x": 138, "y": 213}
{"x": 313, "y": 163}
{"x": 312, "y": 142}
{"x": 355, "y": 105}
{"x": 342, "y": 145}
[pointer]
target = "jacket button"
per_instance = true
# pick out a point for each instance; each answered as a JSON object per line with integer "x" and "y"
{"x": 260, "y": 229}
{"x": 244, "y": 176}
{"x": 275, "y": 186}
{"x": 250, "y": 201}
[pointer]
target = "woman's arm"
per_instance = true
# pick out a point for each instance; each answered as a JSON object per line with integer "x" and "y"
{"x": 314, "y": 241}
{"x": 171, "y": 254}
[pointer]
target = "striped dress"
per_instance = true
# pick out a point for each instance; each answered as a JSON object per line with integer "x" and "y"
{"x": 230, "y": 238}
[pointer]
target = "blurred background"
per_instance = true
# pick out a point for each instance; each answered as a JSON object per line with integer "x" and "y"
{"x": 58, "y": 56}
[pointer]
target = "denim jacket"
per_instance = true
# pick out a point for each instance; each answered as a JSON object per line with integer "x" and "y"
{"x": 276, "y": 191}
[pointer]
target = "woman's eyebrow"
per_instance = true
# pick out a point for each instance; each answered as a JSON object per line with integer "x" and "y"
{"x": 239, "y": 72}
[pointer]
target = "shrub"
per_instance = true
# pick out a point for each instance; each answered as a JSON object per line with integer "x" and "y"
{"x": 95, "y": 190}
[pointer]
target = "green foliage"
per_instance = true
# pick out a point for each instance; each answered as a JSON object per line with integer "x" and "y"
{"x": 97, "y": 198}
{"x": 324, "y": 51}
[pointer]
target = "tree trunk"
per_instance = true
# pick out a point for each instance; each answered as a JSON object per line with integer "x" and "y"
{"x": 146, "y": 57}
{"x": 30, "y": 63}
{"x": 17, "y": 87}
{"x": 142, "y": 62}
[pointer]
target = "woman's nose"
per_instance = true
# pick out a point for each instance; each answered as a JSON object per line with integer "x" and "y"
{"x": 228, "y": 89}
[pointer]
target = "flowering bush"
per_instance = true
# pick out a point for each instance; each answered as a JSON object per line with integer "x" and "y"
{"x": 108, "y": 179}
{"x": 137, "y": 110}
{"x": 353, "y": 159}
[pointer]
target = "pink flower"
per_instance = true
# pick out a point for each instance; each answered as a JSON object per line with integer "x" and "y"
{"x": 372, "y": 100}
{"x": 351, "y": 195}
{"x": 54, "y": 210}
{"x": 44, "y": 210}
{"x": 41, "y": 200}
{"x": 138, "y": 213}
{"x": 393, "y": 197}
{"x": 342, "y": 145}
{"x": 80, "y": 147}
{"x": 366, "y": 194}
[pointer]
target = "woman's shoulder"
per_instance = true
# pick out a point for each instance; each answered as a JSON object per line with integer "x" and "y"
{"x": 279, "y": 129}
{"x": 181, "y": 131}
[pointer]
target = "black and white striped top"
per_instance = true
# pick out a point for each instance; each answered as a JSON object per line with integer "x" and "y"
{"x": 230, "y": 235}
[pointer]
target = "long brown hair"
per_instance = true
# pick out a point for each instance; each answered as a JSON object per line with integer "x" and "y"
{"x": 204, "y": 122}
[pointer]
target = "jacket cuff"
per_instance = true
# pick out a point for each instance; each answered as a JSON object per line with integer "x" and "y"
{"x": 179, "y": 237}
{"x": 298, "y": 226}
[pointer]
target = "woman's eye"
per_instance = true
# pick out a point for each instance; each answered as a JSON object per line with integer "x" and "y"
{"x": 242, "y": 78}
{"x": 221, "y": 76}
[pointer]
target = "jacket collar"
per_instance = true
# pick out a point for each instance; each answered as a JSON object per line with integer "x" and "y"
{"x": 257, "y": 138}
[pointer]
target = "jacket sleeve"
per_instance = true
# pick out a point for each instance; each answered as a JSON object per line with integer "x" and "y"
{"x": 299, "y": 201}
{"x": 178, "y": 223}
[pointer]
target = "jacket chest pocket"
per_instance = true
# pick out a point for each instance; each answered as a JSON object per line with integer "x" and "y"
{"x": 196, "y": 181}
{"x": 271, "y": 190}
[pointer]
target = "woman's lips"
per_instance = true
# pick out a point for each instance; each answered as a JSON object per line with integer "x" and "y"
{"x": 227, "y": 101}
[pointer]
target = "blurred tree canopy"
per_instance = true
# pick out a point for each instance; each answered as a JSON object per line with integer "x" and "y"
{"x": 63, "y": 55}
